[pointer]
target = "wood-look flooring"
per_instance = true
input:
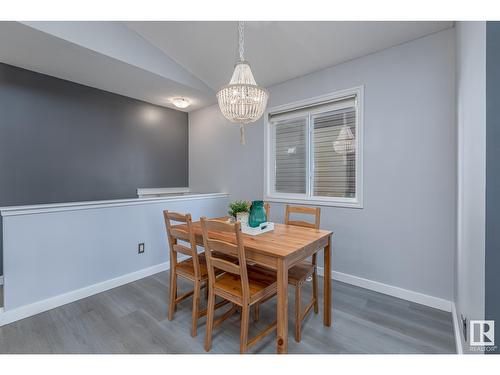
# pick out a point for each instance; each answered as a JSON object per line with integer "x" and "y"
{"x": 133, "y": 319}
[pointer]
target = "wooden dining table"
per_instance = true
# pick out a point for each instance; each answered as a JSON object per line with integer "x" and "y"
{"x": 280, "y": 250}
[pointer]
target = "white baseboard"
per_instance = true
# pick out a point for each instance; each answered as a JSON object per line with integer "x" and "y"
{"x": 22, "y": 312}
{"x": 409, "y": 295}
{"x": 10, "y": 316}
{"x": 456, "y": 329}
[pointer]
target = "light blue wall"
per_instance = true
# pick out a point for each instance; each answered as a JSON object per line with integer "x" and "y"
{"x": 405, "y": 235}
{"x": 48, "y": 254}
{"x": 471, "y": 123}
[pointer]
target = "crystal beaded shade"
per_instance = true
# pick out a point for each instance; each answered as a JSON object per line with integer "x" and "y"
{"x": 242, "y": 101}
{"x": 345, "y": 143}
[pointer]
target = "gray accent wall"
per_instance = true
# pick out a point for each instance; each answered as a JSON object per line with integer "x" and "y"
{"x": 405, "y": 236}
{"x": 63, "y": 142}
{"x": 492, "y": 251}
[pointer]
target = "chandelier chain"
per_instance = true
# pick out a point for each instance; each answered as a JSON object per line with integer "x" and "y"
{"x": 241, "y": 33}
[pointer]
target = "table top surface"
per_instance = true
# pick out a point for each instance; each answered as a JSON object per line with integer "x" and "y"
{"x": 283, "y": 241}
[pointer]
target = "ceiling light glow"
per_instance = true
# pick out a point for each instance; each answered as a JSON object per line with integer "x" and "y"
{"x": 181, "y": 102}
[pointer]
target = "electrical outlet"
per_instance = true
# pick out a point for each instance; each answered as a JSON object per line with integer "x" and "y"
{"x": 464, "y": 326}
{"x": 140, "y": 248}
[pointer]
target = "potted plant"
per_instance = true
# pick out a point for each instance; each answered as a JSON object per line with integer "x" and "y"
{"x": 239, "y": 210}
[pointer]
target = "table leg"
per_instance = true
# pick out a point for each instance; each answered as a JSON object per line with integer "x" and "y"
{"x": 327, "y": 278}
{"x": 282, "y": 308}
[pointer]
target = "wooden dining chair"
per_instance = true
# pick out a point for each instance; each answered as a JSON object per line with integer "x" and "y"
{"x": 240, "y": 284}
{"x": 267, "y": 207}
{"x": 193, "y": 268}
{"x": 298, "y": 274}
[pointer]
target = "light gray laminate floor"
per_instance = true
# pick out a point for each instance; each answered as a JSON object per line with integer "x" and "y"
{"x": 132, "y": 319}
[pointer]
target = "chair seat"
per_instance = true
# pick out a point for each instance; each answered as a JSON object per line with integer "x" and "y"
{"x": 262, "y": 283}
{"x": 186, "y": 267}
{"x": 300, "y": 272}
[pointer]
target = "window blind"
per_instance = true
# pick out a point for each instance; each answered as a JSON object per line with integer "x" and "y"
{"x": 291, "y": 155}
{"x": 334, "y": 150}
{"x": 344, "y": 102}
{"x": 315, "y": 151}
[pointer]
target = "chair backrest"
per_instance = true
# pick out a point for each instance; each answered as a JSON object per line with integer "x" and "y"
{"x": 225, "y": 239}
{"x": 267, "y": 207}
{"x": 316, "y": 212}
{"x": 186, "y": 234}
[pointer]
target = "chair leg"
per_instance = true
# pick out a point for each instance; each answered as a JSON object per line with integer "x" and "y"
{"x": 196, "y": 307}
{"x": 173, "y": 294}
{"x": 210, "y": 320}
{"x": 245, "y": 316}
{"x": 298, "y": 313}
{"x": 256, "y": 312}
{"x": 315, "y": 292}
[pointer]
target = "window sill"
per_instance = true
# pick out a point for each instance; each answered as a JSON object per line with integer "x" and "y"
{"x": 315, "y": 201}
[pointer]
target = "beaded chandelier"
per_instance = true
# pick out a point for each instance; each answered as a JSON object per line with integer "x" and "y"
{"x": 242, "y": 101}
{"x": 345, "y": 143}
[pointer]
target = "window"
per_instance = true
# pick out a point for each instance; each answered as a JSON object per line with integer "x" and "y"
{"x": 314, "y": 151}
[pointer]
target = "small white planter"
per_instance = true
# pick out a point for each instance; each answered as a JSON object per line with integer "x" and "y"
{"x": 242, "y": 217}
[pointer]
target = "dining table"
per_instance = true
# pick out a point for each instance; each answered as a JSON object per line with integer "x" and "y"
{"x": 279, "y": 250}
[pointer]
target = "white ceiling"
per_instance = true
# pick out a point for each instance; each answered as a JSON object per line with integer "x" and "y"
{"x": 277, "y": 51}
{"x": 155, "y": 61}
{"x": 104, "y": 55}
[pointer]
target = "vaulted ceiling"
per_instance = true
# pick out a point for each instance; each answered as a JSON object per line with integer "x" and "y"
{"x": 156, "y": 61}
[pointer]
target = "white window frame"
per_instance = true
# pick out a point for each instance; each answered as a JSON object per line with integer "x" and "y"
{"x": 269, "y": 144}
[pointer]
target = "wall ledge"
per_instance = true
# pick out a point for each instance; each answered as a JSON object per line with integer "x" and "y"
{"x": 74, "y": 206}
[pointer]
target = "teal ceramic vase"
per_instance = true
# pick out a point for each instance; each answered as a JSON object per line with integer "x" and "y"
{"x": 257, "y": 214}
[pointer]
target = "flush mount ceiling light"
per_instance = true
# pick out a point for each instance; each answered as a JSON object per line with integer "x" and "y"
{"x": 242, "y": 101}
{"x": 181, "y": 102}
